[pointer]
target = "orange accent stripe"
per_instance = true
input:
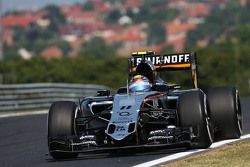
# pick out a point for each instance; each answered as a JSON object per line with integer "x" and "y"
{"x": 132, "y": 69}
{"x": 187, "y": 65}
{"x": 154, "y": 96}
{"x": 175, "y": 66}
{"x": 151, "y": 97}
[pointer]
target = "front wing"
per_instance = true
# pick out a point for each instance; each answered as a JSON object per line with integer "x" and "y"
{"x": 71, "y": 144}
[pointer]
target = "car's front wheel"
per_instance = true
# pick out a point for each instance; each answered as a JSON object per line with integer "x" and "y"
{"x": 61, "y": 123}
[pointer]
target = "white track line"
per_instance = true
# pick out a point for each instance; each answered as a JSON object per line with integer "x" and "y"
{"x": 188, "y": 153}
{"x": 16, "y": 114}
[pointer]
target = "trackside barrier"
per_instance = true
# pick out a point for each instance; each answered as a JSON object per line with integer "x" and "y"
{"x": 41, "y": 95}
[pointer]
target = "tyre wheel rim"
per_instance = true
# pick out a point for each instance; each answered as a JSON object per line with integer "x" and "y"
{"x": 209, "y": 130}
{"x": 238, "y": 113}
{"x": 239, "y": 122}
{"x": 207, "y": 120}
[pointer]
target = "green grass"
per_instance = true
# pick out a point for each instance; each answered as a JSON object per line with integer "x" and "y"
{"x": 232, "y": 155}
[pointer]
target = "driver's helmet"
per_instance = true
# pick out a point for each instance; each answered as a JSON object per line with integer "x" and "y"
{"x": 139, "y": 83}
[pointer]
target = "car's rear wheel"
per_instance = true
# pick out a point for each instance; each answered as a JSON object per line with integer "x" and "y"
{"x": 61, "y": 123}
{"x": 225, "y": 109}
{"x": 192, "y": 112}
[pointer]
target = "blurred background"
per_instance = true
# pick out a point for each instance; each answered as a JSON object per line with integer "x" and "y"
{"x": 89, "y": 41}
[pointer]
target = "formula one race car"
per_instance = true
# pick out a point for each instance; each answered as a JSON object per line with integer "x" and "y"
{"x": 146, "y": 114}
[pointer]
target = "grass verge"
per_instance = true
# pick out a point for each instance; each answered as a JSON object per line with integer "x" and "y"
{"x": 232, "y": 155}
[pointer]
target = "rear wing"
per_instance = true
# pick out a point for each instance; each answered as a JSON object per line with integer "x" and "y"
{"x": 179, "y": 61}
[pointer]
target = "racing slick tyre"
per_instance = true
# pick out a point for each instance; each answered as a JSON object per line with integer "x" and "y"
{"x": 192, "y": 112}
{"x": 225, "y": 109}
{"x": 61, "y": 123}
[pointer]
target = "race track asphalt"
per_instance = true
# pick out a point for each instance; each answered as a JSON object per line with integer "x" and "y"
{"x": 23, "y": 143}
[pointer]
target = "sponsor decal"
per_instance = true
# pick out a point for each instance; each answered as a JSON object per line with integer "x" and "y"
{"x": 165, "y": 59}
{"x": 120, "y": 128}
{"x": 123, "y": 119}
{"x": 181, "y": 60}
{"x": 125, "y": 113}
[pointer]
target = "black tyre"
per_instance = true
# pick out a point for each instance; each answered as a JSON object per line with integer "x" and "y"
{"x": 225, "y": 109}
{"x": 61, "y": 123}
{"x": 192, "y": 111}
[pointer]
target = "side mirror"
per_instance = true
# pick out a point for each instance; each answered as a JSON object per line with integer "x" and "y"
{"x": 160, "y": 87}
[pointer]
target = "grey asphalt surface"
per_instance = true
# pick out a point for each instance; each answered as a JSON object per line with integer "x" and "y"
{"x": 23, "y": 143}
